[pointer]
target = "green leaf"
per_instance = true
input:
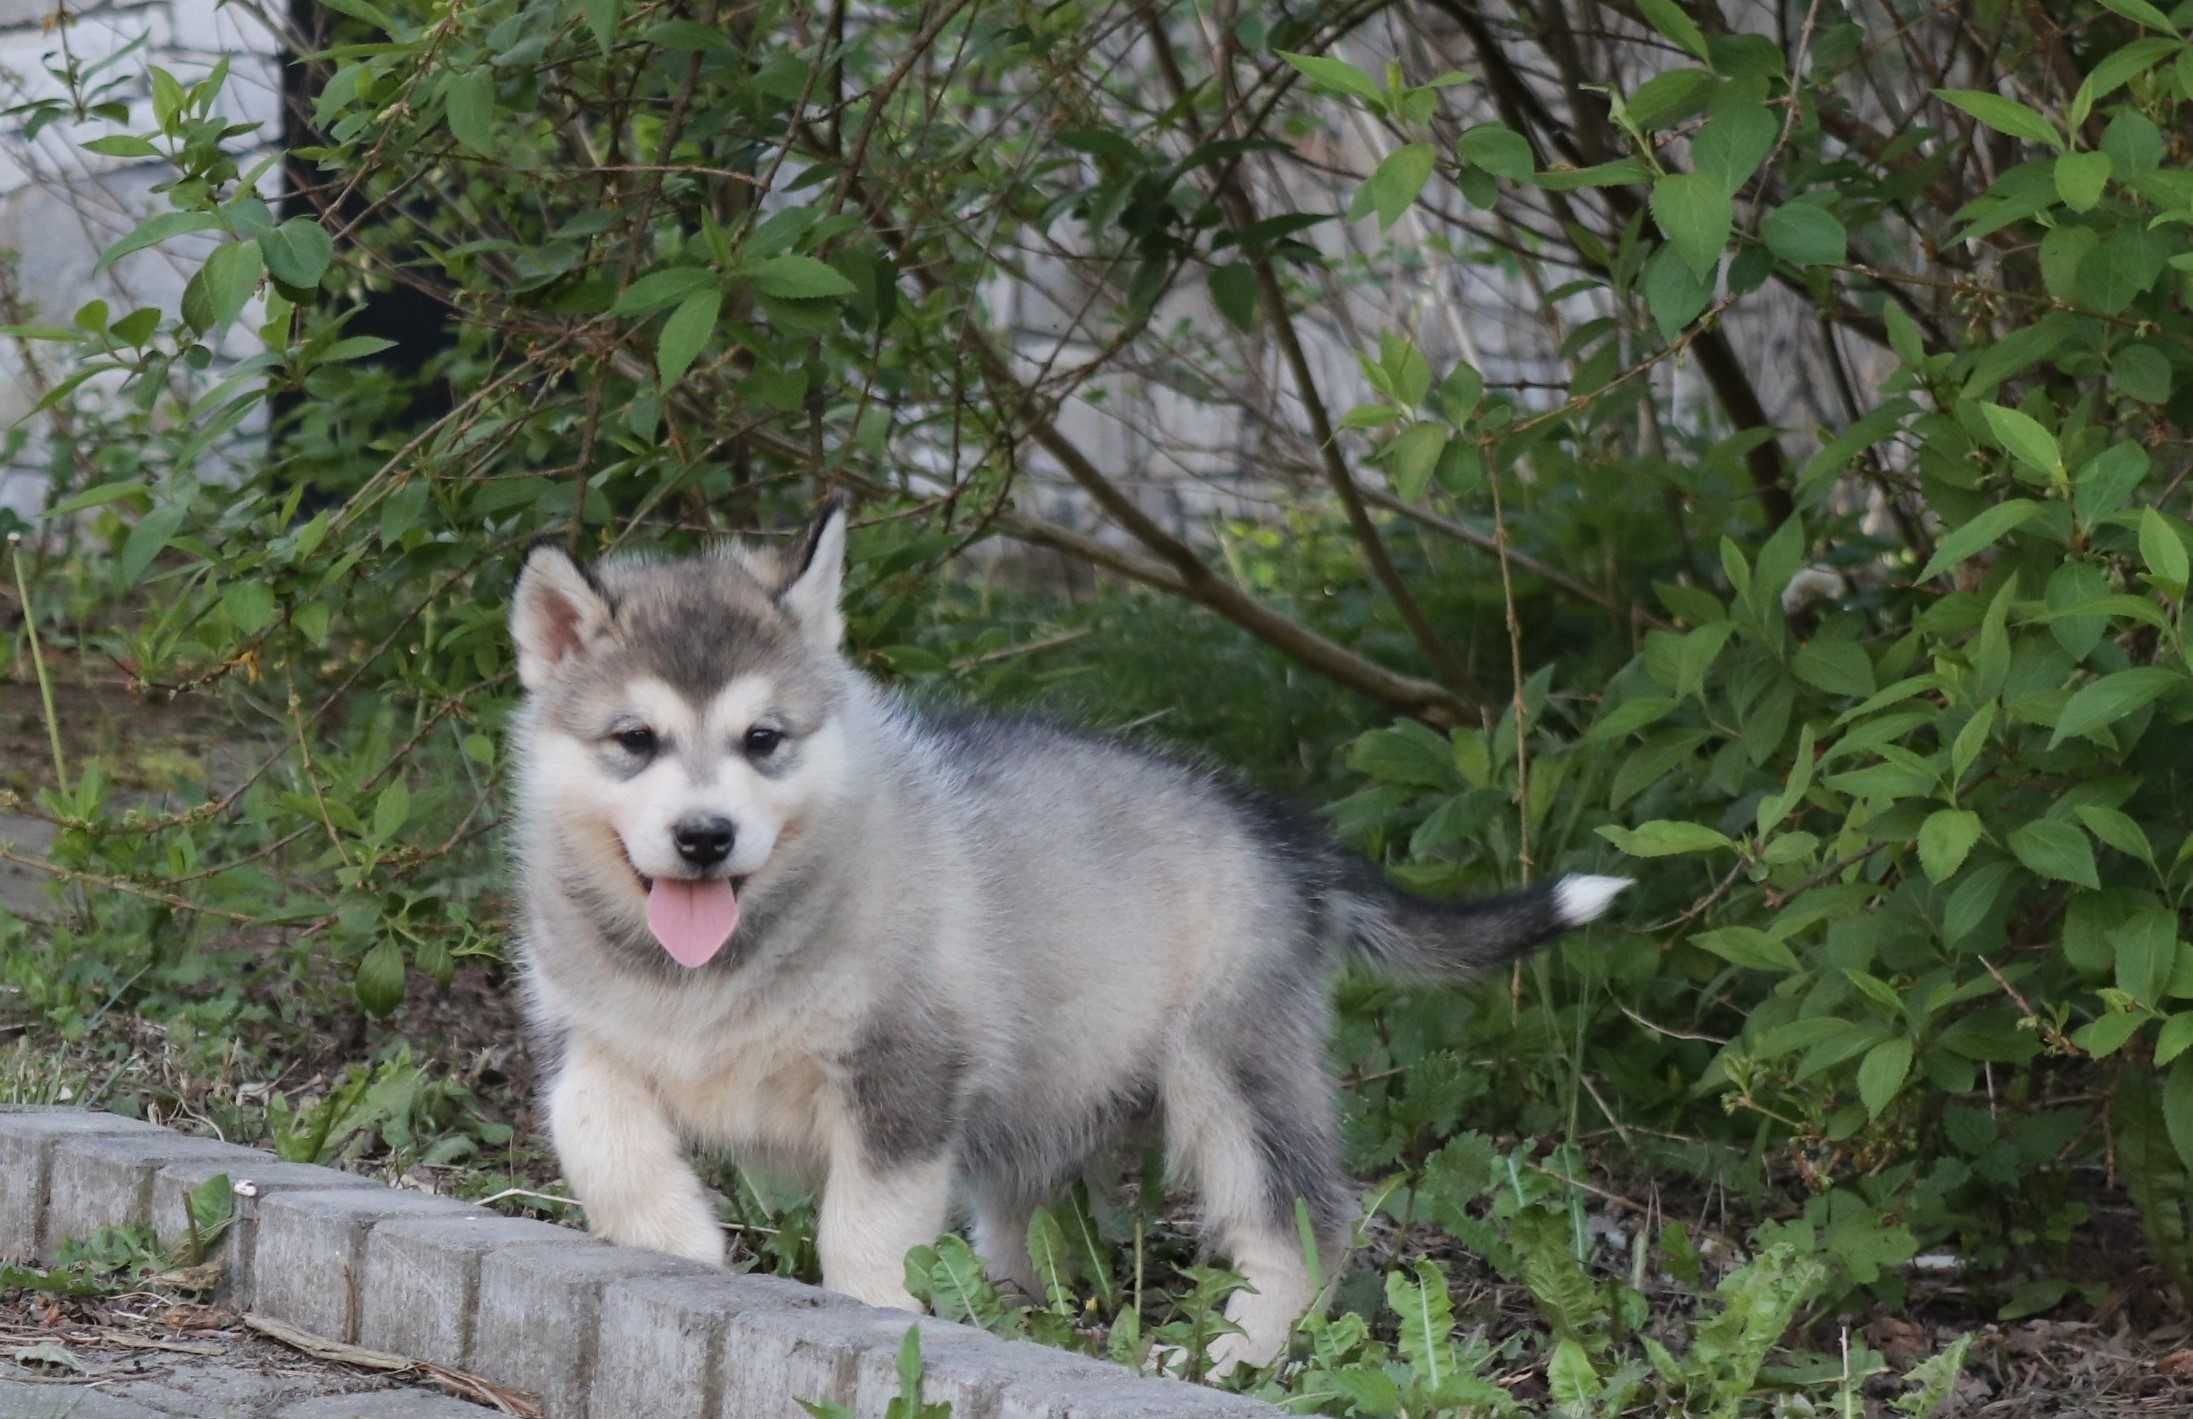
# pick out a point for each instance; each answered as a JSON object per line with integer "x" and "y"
{"x": 2106, "y": 481}
{"x": 2107, "y": 1034}
{"x": 908, "y": 1404}
{"x": 217, "y": 294}
{"x": 1570, "y": 1377}
{"x": 2141, "y": 13}
{"x": 391, "y": 810}
{"x": 298, "y": 252}
{"x": 2120, "y": 269}
{"x": 2057, "y": 849}
{"x": 137, "y": 327}
{"x": 2062, "y": 255}
{"x": 122, "y": 145}
{"x": 1699, "y": 650}
{"x": 1944, "y": 840}
{"x": 1748, "y": 946}
{"x": 1414, "y": 455}
{"x": 959, "y": 1290}
{"x": 167, "y": 96}
{"x": 1971, "y": 900}
{"x": 1427, "y": 1317}
{"x": 2178, "y": 1108}
{"x": 249, "y": 604}
{"x": 2114, "y": 72}
{"x": 1673, "y": 292}
{"x": 1498, "y": 149}
{"x": 1838, "y": 667}
{"x": 1805, "y": 234}
{"x": 1970, "y": 740}
{"x": 1233, "y": 291}
{"x": 2146, "y": 949}
{"x": 1977, "y": 535}
{"x": 97, "y": 496}
{"x": 2004, "y": 116}
{"x": 2175, "y": 1036}
{"x": 2118, "y": 830}
{"x": 1053, "y": 1263}
{"x": 794, "y": 277}
{"x": 1630, "y": 716}
{"x": 211, "y": 1207}
{"x": 2141, "y": 372}
{"x": 146, "y": 541}
{"x": 1668, "y": 18}
{"x": 658, "y": 289}
{"x": 1393, "y": 185}
{"x": 380, "y": 979}
{"x": 1664, "y": 837}
{"x": 1667, "y": 96}
{"x": 2024, "y": 437}
{"x": 601, "y": 18}
{"x": 2163, "y": 551}
{"x": 2111, "y": 698}
{"x": 1882, "y": 1072}
{"x": 689, "y": 37}
{"x": 2080, "y": 178}
{"x": 1693, "y": 212}
{"x": 1334, "y": 76}
{"x": 1089, "y": 1246}
{"x": 685, "y": 333}
{"x": 471, "y": 101}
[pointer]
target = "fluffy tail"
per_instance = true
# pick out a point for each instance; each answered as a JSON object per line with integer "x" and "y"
{"x": 1404, "y": 934}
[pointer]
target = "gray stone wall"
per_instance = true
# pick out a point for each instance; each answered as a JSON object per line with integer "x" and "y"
{"x": 61, "y": 206}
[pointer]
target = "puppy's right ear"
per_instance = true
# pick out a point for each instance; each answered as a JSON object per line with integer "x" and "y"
{"x": 557, "y": 614}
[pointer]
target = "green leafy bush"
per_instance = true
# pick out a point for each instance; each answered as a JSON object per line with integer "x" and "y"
{"x": 1883, "y": 705}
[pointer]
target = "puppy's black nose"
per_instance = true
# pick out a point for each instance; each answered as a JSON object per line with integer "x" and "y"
{"x": 704, "y": 842}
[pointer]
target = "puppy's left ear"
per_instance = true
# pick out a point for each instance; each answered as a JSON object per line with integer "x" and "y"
{"x": 815, "y": 575}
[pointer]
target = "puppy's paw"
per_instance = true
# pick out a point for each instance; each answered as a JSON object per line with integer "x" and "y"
{"x": 680, "y": 1232}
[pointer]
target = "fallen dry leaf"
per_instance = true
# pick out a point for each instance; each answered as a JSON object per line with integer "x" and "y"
{"x": 195, "y": 1317}
{"x": 2178, "y": 1364}
{"x": 47, "y": 1353}
{"x": 1900, "y": 1340}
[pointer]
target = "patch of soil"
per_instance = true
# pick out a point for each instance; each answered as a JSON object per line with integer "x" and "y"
{"x": 145, "y": 747}
{"x": 152, "y": 1343}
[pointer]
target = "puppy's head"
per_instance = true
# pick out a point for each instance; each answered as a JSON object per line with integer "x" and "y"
{"x": 684, "y": 724}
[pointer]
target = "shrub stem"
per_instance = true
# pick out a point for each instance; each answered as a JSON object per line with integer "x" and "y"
{"x": 38, "y": 665}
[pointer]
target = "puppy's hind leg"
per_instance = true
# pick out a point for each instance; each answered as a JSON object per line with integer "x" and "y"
{"x": 622, "y": 1157}
{"x": 1257, "y": 1139}
{"x": 1001, "y": 1238}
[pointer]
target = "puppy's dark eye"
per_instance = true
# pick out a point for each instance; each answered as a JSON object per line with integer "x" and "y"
{"x": 762, "y": 741}
{"x": 640, "y": 743}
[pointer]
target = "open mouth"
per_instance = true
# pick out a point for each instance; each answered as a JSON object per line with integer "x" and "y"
{"x": 691, "y": 918}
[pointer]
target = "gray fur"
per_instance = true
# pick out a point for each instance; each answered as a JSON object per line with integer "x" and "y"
{"x": 979, "y": 948}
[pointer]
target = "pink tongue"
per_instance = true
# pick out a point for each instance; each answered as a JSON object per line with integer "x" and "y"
{"x": 692, "y": 920}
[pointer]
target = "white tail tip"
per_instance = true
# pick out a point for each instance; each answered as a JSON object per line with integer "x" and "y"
{"x": 1582, "y": 899}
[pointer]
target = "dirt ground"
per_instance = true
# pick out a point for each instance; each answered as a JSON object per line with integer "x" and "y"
{"x": 172, "y": 1356}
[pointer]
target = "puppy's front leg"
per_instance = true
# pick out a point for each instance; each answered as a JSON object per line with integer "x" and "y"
{"x": 873, "y": 1213}
{"x": 623, "y": 1159}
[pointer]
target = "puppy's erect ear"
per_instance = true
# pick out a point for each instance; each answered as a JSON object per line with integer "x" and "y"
{"x": 814, "y": 575}
{"x": 558, "y": 613}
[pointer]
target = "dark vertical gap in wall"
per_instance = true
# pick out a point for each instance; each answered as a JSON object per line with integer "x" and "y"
{"x": 420, "y": 325}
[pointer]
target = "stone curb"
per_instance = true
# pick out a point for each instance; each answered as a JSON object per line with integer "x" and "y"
{"x": 599, "y": 1332}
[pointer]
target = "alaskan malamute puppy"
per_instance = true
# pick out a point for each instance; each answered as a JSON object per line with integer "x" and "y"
{"x": 921, "y": 959}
